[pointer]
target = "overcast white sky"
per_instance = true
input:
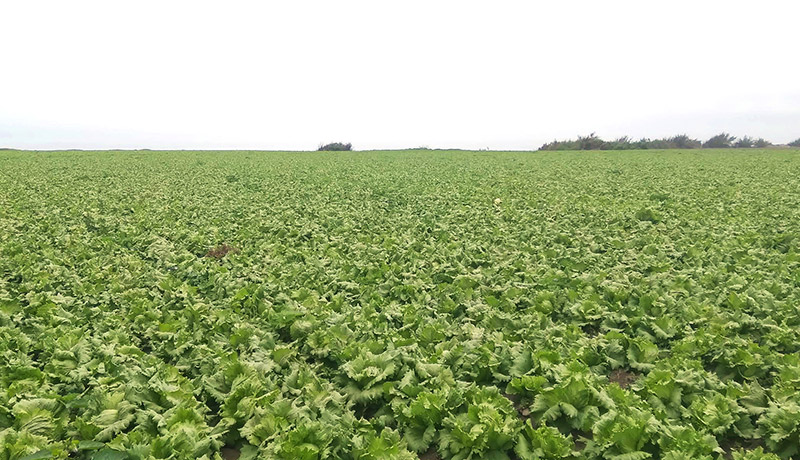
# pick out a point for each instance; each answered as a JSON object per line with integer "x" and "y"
{"x": 392, "y": 74}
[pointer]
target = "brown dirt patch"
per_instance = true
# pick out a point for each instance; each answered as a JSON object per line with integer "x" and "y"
{"x": 230, "y": 453}
{"x": 622, "y": 377}
{"x": 221, "y": 251}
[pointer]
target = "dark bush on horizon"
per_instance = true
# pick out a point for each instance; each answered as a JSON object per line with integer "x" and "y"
{"x": 680, "y": 141}
{"x": 336, "y": 147}
{"x": 720, "y": 141}
{"x": 795, "y": 143}
{"x": 745, "y": 143}
{"x": 592, "y": 142}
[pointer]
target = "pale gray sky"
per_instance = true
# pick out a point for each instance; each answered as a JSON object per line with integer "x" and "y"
{"x": 392, "y": 74}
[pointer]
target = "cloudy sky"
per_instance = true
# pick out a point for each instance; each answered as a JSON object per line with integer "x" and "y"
{"x": 392, "y": 74}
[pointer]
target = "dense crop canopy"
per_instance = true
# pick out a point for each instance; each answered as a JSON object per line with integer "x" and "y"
{"x": 400, "y": 305}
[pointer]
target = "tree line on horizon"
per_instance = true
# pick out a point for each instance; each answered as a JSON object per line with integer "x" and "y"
{"x": 681, "y": 141}
{"x": 335, "y": 147}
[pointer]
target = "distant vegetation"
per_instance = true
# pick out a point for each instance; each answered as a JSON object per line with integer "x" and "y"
{"x": 336, "y": 147}
{"x": 681, "y": 141}
{"x": 795, "y": 143}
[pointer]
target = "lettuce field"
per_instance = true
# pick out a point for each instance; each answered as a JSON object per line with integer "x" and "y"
{"x": 400, "y": 305}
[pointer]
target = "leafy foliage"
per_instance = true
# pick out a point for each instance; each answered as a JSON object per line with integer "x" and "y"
{"x": 465, "y": 305}
{"x": 542, "y": 443}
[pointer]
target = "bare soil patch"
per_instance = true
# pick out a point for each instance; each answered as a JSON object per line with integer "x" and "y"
{"x": 622, "y": 377}
{"x": 218, "y": 252}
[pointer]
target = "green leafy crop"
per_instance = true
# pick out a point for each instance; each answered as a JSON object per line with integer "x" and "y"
{"x": 400, "y": 305}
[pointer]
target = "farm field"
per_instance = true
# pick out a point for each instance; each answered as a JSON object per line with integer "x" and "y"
{"x": 400, "y": 305}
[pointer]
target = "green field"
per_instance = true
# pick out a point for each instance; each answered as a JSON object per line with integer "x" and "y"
{"x": 400, "y": 305}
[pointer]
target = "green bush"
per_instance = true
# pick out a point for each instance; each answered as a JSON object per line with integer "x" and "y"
{"x": 682, "y": 141}
{"x": 720, "y": 141}
{"x": 745, "y": 143}
{"x": 336, "y": 147}
{"x": 592, "y": 142}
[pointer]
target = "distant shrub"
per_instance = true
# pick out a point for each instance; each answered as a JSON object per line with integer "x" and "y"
{"x": 561, "y": 145}
{"x": 619, "y": 143}
{"x": 795, "y": 143}
{"x": 656, "y": 144}
{"x": 745, "y": 143}
{"x": 682, "y": 141}
{"x": 591, "y": 142}
{"x": 336, "y": 147}
{"x": 720, "y": 141}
